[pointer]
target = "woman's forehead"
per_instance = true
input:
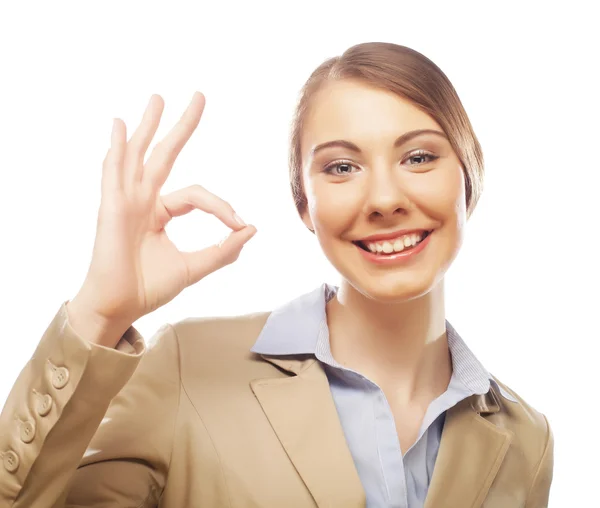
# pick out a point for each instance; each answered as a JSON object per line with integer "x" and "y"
{"x": 360, "y": 113}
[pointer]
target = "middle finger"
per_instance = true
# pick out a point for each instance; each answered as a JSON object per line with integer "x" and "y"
{"x": 160, "y": 162}
{"x": 141, "y": 138}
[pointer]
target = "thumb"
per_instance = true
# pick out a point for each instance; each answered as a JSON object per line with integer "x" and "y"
{"x": 206, "y": 261}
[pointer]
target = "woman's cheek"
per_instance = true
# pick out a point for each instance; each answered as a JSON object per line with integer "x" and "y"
{"x": 442, "y": 196}
{"x": 336, "y": 206}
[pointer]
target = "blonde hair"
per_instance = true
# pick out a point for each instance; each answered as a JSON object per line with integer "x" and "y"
{"x": 410, "y": 75}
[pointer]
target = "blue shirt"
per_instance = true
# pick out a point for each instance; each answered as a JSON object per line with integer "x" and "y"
{"x": 388, "y": 478}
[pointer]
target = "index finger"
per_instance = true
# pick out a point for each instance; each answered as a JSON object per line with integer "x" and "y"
{"x": 196, "y": 197}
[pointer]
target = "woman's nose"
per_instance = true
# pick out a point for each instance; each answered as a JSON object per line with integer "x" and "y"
{"x": 386, "y": 196}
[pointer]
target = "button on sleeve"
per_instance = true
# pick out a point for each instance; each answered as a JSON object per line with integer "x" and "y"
{"x": 11, "y": 461}
{"x": 27, "y": 431}
{"x": 44, "y": 405}
{"x": 60, "y": 378}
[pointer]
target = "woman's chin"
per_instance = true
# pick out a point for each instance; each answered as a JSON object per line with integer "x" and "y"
{"x": 391, "y": 289}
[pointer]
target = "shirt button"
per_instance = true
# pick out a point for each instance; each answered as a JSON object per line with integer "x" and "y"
{"x": 44, "y": 405}
{"x": 27, "y": 432}
{"x": 11, "y": 461}
{"x": 60, "y": 378}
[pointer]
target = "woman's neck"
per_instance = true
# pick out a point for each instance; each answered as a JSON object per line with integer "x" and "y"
{"x": 402, "y": 347}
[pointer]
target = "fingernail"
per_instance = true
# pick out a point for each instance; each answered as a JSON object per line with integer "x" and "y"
{"x": 238, "y": 219}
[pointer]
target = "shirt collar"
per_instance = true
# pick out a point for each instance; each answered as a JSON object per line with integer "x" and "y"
{"x": 293, "y": 329}
{"x": 299, "y": 327}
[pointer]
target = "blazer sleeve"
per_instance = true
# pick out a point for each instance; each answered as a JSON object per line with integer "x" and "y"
{"x": 86, "y": 425}
{"x": 539, "y": 492}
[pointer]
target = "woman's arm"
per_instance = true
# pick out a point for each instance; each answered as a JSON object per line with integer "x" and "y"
{"x": 61, "y": 397}
{"x": 107, "y": 437}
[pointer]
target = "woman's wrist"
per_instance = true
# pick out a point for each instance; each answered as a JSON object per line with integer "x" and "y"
{"x": 92, "y": 327}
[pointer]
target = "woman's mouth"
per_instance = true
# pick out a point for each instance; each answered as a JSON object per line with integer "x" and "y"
{"x": 394, "y": 249}
{"x": 394, "y": 245}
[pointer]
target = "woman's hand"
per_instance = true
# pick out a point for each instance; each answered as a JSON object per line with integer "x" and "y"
{"x": 135, "y": 268}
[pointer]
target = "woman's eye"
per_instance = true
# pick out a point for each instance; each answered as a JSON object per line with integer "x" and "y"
{"x": 340, "y": 168}
{"x": 421, "y": 158}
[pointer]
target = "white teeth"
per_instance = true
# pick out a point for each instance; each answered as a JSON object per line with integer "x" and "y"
{"x": 397, "y": 245}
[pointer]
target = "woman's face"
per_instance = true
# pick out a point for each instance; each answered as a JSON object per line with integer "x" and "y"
{"x": 373, "y": 181}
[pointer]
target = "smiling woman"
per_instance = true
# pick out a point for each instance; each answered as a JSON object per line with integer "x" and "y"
{"x": 357, "y": 395}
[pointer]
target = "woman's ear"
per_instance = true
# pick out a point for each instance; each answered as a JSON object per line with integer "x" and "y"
{"x": 307, "y": 221}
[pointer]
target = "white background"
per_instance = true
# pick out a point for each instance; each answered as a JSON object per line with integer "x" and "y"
{"x": 524, "y": 290}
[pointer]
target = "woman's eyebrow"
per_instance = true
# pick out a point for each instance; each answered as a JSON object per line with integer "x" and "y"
{"x": 404, "y": 138}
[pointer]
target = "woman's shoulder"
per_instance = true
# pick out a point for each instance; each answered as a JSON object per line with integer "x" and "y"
{"x": 530, "y": 456}
{"x": 206, "y": 332}
{"x": 521, "y": 417}
{"x": 511, "y": 398}
{"x": 215, "y": 346}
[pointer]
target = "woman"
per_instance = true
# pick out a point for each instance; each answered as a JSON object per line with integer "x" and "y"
{"x": 344, "y": 397}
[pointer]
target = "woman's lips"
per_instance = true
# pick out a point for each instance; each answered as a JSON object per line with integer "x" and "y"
{"x": 393, "y": 235}
{"x": 395, "y": 257}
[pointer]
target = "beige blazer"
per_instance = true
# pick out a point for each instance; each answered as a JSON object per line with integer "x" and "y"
{"x": 196, "y": 420}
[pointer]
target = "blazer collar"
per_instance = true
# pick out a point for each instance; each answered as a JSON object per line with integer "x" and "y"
{"x": 302, "y": 413}
{"x": 471, "y": 453}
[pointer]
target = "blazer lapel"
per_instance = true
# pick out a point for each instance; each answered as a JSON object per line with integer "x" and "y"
{"x": 302, "y": 413}
{"x": 471, "y": 452}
